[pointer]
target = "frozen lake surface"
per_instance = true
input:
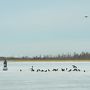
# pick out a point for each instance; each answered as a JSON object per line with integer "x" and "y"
{"x": 13, "y": 79}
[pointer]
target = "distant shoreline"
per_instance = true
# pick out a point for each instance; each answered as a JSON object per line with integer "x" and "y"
{"x": 51, "y": 60}
{"x": 48, "y": 60}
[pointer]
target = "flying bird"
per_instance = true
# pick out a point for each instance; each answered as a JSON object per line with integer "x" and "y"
{"x": 86, "y": 16}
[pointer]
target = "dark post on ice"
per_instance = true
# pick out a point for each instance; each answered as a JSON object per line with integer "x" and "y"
{"x": 5, "y": 65}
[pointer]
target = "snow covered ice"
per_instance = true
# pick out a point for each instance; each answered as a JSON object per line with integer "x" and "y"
{"x": 13, "y": 79}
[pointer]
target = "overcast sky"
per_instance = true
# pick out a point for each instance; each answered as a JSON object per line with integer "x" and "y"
{"x": 34, "y": 27}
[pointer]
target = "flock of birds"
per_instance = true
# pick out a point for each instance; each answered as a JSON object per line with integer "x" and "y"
{"x": 74, "y": 68}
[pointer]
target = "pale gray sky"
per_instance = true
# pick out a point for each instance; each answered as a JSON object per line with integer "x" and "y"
{"x": 34, "y": 27}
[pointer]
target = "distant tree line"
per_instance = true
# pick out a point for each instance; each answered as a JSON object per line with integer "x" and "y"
{"x": 74, "y": 56}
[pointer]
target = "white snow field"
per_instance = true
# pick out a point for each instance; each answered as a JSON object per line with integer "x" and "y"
{"x": 14, "y": 79}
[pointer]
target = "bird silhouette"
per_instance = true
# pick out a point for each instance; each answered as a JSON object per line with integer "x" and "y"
{"x": 86, "y": 16}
